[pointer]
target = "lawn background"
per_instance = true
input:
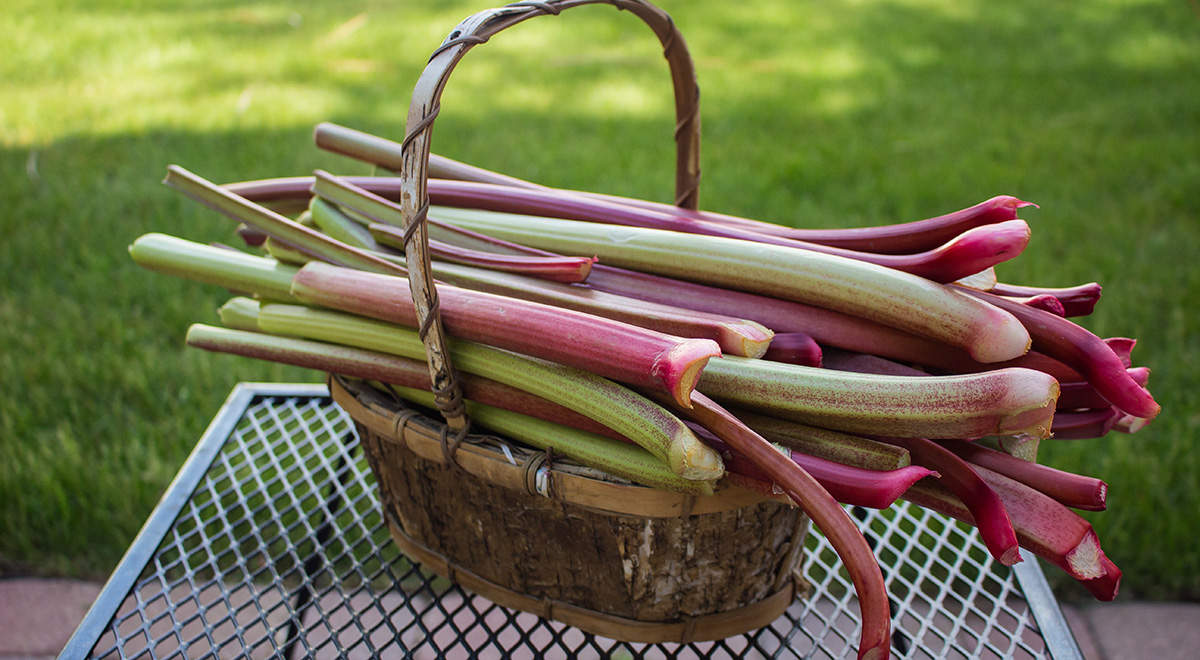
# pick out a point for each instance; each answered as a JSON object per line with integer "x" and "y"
{"x": 814, "y": 113}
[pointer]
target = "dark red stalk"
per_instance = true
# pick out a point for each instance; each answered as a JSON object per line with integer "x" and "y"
{"x": 862, "y": 363}
{"x": 1085, "y": 424}
{"x": 1073, "y": 490}
{"x": 1076, "y": 300}
{"x": 794, "y": 348}
{"x": 1043, "y": 525}
{"x": 903, "y": 238}
{"x": 829, "y": 516}
{"x": 987, "y": 510}
{"x": 553, "y": 268}
{"x": 1079, "y": 395}
{"x": 1106, "y": 586}
{"x": 1084, "y": 352}
{"x": 973, "y": 251}
{"x": 1123, "y": 348}
{"x": 608, "y": 348}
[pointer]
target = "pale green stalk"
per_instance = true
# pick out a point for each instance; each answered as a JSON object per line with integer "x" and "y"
{"x": 1001, "y": 402}
{"x": 870, "y": 291}
{"x": 224, "y": 267}
{"x": 614, "y": 457}
{"x": 613, "y": 405}
{"x": 273, "y": 224}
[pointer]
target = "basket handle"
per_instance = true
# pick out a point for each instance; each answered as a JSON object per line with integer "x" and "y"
{"x": 423, "y": 109}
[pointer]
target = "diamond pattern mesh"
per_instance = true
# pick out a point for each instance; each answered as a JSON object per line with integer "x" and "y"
{"x": 281, "y": 551}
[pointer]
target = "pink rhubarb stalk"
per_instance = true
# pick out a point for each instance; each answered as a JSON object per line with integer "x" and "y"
{"x": 608, "y": 348}
{"x": 734, "y": 336}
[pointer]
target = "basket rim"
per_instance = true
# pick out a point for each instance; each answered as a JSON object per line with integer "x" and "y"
{"x": 565, "y": 481}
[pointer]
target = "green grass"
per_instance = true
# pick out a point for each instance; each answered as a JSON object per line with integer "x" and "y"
{"x": 822, "y": 114}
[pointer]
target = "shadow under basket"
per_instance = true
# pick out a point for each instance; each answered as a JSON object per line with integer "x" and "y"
{"x": 572, "y": 544}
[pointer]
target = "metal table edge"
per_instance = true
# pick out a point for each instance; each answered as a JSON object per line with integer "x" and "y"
{"x": 1060, "y": 640}
{"x": 146, "y": 543}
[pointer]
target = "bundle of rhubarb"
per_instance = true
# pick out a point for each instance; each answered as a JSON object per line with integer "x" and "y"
{"x": 676, "y": 348}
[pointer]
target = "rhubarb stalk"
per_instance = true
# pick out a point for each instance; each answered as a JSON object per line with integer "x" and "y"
{"x": 881, "y": 294}
{"x": 605, "y": 347}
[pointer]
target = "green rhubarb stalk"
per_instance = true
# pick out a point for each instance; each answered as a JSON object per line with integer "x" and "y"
{"x": 222, "y": 267}
{"x": 831, "y": 445}
{"x": 241, "y": 336}
{"x": 613, "y": 405}
{"x": 614, "y": 457}
{"x": 1001, "y": 402}
{"x": 334, "y": 223}
{"x": 273, "y": 224}
{"x": 866, "y": 290}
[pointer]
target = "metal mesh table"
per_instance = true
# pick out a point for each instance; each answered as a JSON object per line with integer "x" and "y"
{"x": 270, "y": 543}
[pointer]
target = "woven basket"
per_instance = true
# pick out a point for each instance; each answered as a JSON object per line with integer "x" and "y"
{"x": 541, "y": 535}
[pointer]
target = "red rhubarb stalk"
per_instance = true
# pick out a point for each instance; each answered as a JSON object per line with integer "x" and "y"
{"x": 1085, "y": 424}
{"x": 1043, "y": 525}
{"x": 1076, "y": 300}
{"x": 612, "y": 349}
{"x": 1073, "y": 490}
{"x": 1084, "y": 352}
{"x": 833, "y": 521}
{"x": 988, "y": 512}
{"x": 794, "y": 348}
{"x": 1077, "y": 395}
